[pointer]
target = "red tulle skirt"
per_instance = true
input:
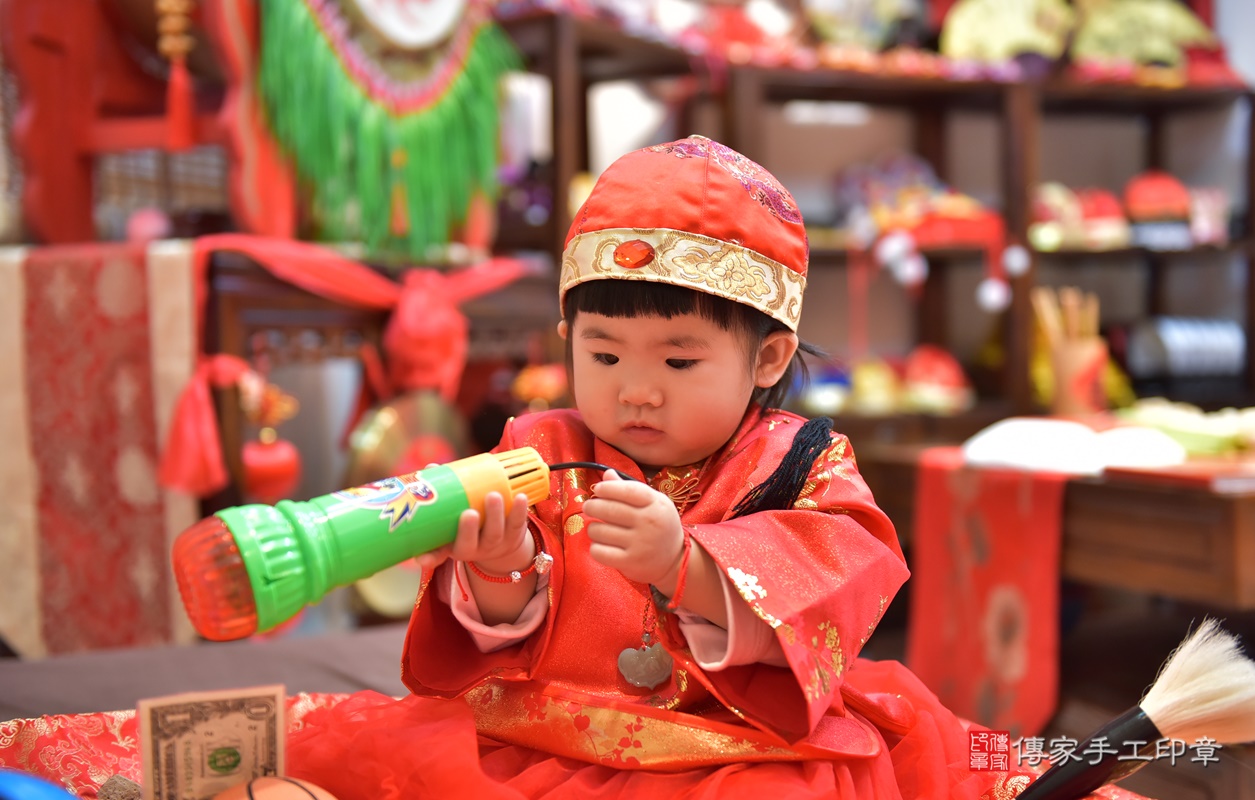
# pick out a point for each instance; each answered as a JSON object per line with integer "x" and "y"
{"x": 374, "y": 747}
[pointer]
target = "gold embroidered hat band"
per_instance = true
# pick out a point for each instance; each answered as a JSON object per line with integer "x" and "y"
{"x": 697, "y": 214}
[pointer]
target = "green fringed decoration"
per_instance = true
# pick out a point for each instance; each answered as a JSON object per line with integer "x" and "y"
{"x": 357, "y": 159}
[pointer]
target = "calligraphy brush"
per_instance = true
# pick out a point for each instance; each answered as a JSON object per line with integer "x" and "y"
{"x": 1206, "y": 688}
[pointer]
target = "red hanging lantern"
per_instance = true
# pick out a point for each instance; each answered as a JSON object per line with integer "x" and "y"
{"x": 272, "y": 466}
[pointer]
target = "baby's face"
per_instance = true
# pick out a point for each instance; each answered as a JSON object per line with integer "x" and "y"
{"x": 665, "y": 392}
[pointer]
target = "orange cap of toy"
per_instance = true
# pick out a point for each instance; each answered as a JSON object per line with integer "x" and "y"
{"x": 693, "y": 213}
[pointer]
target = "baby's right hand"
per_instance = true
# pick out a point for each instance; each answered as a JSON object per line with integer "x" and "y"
{"x": 499, "y": 545}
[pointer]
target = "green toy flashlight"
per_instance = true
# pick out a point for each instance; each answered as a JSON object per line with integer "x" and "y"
{"x": 248, "y": 568}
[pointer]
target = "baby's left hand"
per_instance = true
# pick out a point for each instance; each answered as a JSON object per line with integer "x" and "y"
{"x": 636, "y": 529}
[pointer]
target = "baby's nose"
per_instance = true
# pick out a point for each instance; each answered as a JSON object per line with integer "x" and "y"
{"x": 640, "y": 393}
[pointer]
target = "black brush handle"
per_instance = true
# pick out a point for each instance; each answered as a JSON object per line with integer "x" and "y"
{"x": 1070, "y": 780}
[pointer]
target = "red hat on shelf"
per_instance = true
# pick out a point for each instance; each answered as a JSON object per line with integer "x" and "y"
{"x": 697, "y": 214}
{"x": 1156, "y": 195}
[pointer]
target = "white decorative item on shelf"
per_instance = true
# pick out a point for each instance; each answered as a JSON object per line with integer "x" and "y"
{"x": 993, "y": 294}
{"x": 1042, "y": 445}
{"x": 1162, "y": 236}
{"x": 1209, "y": 216}
{"x": 1071, "y": 448}
{"x": 1015, "y": 260}
{"x": 1139, "y": 447}
{"x": 1186, "y": 347}
{"x": 910, "y": 271}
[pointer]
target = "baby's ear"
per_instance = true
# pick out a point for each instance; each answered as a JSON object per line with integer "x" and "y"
{"x": 562, "y": 329}
{"x": 774, "y": 355}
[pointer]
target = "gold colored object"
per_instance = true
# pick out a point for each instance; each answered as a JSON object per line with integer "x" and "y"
{"x": 173, "y": 23}
{"x": 1069, "y": 322}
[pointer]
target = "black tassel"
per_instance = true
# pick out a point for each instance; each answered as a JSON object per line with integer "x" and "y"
{"x": 781, "y": 489}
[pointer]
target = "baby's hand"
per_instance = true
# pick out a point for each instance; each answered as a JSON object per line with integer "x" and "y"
{"x": 498, "y": 546}
{"x": 636, "y": 529}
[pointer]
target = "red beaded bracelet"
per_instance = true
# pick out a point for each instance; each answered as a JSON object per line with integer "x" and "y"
{"x": 540, "y": 565}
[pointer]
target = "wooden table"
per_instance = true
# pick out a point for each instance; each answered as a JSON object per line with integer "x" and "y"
{"x": 1182, "y": 543}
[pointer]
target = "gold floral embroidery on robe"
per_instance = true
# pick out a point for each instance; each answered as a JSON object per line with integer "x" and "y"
{"x": 574, "y": 488}
{"x": 1008, "y": 787}
{"x": 602, "y": 735}
{"x": 679, "y": 485}
{"x": 827, "y": 661}
{"x": 872, "y": 625}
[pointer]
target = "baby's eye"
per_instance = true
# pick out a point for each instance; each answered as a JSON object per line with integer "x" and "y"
{"x": 605, "y": 358}
{"x": 681, "y": 363}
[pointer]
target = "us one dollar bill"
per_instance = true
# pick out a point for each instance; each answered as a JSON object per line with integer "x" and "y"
{"x": 198, "y": 744}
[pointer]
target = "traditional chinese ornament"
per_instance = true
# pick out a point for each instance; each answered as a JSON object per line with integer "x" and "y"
{"x": 174, "y": 42}
{"x": 412, "y": 85}
{"x": 1149, "y": 38}
{"x": 649, "y": 665}
{"x": 272, "y": 466}
{"x": 405, "y": 434}
{"x": 540, "y": 386}
{"x": 1006, "y": 40}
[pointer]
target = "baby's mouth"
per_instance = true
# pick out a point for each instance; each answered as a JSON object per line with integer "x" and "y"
{"x": 639, "y": 430}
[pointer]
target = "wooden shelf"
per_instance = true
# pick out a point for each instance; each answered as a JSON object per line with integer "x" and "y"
{"x": 575, "y": 52}
{"x": 782, "y": 85}
{"x": 605, "y": 51}
{"x": 1061, "y": 96}
{"x": 834, "y": 257}
{"x": 1064, "y": 96}
{"x": 1070, "y": 254}
{"x": 914, "y": 428}
{"x": 515, "y": 234}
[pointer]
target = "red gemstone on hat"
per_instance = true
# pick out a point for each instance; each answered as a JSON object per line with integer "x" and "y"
{"x": 633, "y": 254}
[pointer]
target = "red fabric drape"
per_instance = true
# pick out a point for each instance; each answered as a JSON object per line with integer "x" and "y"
{"x": 984, "y": 619}
{"x": 425, "y": 341}
{"x": 88, "y": 398}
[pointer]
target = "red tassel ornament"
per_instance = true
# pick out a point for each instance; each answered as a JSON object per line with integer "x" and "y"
{"x": 180, "y": 108}
{"x": 175, "y": 41}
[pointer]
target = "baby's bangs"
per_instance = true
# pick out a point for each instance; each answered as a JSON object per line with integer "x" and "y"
{"x": 625, "y": 299}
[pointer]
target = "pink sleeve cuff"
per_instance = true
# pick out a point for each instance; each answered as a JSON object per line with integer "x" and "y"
{"x": 748, "y": 640}
{"x": 466, "y": 611}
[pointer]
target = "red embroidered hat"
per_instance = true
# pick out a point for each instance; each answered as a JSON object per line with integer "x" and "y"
{"x": 693, "y": 213}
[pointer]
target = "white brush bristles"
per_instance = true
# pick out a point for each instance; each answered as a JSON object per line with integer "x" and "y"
{"x": 1206, "y": 688}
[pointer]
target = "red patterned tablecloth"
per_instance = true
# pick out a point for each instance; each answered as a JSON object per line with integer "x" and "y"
{"x": 984, "y": 630}
{"x": 81, "y": 751}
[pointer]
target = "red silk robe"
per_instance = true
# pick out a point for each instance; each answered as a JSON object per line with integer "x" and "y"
{"x": 551, "y": 717}
{"x": 820, "y": 574}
